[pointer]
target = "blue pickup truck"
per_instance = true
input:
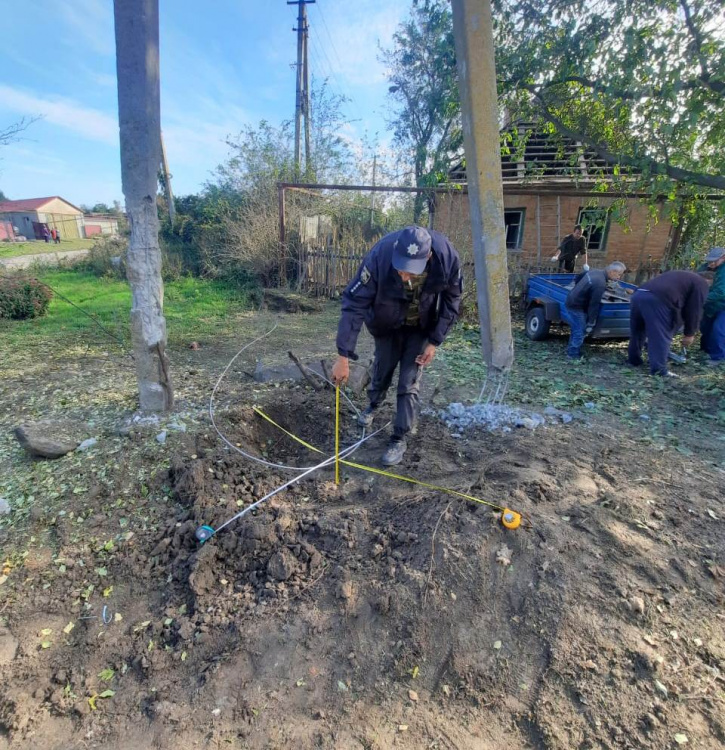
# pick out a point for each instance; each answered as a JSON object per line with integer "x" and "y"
{"x": 545, "y": 297}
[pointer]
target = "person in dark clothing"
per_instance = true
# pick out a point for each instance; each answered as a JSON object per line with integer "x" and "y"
{"x": 572, "y": 245}
{"x": 659, "y": 308}
{"x": 46, "y": 233}
{"x": 583, "y": 303}
{"x": 713, "y": 318}
{"x": 407, "y": 292}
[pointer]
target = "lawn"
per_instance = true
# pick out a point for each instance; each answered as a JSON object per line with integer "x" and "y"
{"x": 17, "y": 249}
{"x": 194, "y": 308}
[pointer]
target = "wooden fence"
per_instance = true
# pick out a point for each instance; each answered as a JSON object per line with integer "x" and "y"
{"x": 326, "y": 271}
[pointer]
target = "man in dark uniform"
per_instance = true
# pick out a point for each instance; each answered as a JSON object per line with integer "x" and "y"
{"x": 659, "y": 308}
{"x": 407, "y": 292}
{"x": 572, "y": 245}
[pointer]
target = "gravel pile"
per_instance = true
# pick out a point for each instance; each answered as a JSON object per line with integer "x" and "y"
{"x": 492, "y": 417}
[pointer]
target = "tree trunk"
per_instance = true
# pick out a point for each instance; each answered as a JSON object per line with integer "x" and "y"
{"x": 137, "y": 66}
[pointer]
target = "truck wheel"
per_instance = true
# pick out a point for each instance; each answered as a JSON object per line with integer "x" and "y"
{"x": 537, "y": 326}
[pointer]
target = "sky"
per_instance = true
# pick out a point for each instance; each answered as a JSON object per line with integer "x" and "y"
{"x": 224, "y": 64}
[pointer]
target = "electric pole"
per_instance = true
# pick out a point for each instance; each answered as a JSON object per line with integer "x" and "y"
{"x": 302, "y": 96}
{"x": 473, "y": 32}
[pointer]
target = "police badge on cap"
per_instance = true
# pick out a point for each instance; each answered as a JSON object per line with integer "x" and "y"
{"x": 411, "y": 250}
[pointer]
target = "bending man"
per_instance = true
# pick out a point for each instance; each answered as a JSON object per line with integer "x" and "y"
{"x": 407, "y": 292}
{"x": 659, "y": 308}
{"x": 583, "y": 303}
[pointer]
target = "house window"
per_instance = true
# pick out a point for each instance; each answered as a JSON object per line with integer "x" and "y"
{"x": 514, "y": 221}
{"x": 595, "y": 223}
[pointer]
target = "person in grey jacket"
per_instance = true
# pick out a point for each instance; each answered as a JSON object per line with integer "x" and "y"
{"x": 583, "y": 303}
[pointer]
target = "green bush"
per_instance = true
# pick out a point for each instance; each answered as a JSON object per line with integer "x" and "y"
{"x": 107, "y": 257}
{"x": 23, "y": 298}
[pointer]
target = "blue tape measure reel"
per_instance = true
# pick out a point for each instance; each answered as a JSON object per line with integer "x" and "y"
{"x": 203, "y": 533}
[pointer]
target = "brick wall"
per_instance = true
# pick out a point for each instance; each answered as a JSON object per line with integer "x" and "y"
{"x": 641, "y": 243}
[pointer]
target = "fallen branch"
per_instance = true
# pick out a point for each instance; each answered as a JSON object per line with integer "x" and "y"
{"x": 308, "y": 375}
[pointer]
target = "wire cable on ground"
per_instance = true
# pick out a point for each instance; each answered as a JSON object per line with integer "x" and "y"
{"x": 511, "y": 519}
{"x": 204, "y": 533}
{"x": 236, "y": 448}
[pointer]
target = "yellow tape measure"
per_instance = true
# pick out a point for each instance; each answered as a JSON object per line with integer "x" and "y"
{"x": 509, "y": 518}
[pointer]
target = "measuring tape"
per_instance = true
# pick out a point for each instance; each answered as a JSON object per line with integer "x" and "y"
{"x": 509, "y": 518}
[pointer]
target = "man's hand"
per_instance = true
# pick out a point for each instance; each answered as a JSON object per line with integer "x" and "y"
{"x": 341, "y": 371}
{"x": 427, "y": 356}
{"x": 687, "y": 341}
{"x": 554, "y": 258}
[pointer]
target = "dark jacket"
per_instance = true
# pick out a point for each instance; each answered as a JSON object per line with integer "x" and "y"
{"x": 684, "y": 292}
{"x": 587, "y": 294}
{"x": 376, "y": 296}
{"x": 571, "y": 247}
{"x": 715, "y": 303}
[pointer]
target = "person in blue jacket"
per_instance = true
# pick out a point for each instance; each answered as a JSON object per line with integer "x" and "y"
{"x": 408, "y": 293}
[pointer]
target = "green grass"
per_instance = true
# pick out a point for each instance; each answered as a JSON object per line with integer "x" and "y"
{"x": 17, "y": 249}
{"x": 194, "y": 308}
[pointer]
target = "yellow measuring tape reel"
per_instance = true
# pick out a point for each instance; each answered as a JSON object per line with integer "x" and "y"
{"x": 509, "y": 518}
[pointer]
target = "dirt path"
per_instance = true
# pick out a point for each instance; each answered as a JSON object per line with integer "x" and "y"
{"x": 45, "y": 259}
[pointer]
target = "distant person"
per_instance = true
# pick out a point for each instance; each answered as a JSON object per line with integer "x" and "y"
{"x": 713, "y": 319}
{"x": 53, "y": 233}
{"x": 583, "y": 303}
{"x": 57, "y": 237}
{"x": 659, "y": 307}
{"x": 46, "y": 233}
{"x": 407, "y": 291}
{"x": 572, "y": 245}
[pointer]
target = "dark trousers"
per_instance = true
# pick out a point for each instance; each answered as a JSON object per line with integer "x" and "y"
{"x": 654, "y": 321}
{"x": 713, "y": 336}
{"x": 577, "y": 326}
{"x": 567, "y": 264}
{"x": 401, "y": 347}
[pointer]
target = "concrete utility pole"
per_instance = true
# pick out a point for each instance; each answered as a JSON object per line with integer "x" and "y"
{"x": 168, "y": 192}
{"x": 302, "y": 97}
{"x": 473, "y": 31}
{"x": 139, "y": 117}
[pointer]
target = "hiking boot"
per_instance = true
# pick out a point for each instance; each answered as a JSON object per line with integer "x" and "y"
{"x": 365, "y": 418}
{"x": 394, "y": 452}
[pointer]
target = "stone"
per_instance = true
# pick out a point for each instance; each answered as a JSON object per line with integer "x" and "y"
{"x": 282, "y": 565}
{"x": 4, "y": 506}
{"x": 161, "y": 437}
{"x": 86, "y": 444}
{"x": 51, "y": 438}
{"x": 8, "y": 646}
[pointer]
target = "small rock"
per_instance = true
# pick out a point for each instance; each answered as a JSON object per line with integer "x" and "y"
{"x": 681, "y": 738}
{"x": 194, "y": 346}
{"x": 51, "y": 438}
{"x": 697, "y": 642}
{"x": 497, "y": 645}
{"x": 216, "y": 712}
{"x": 651, "y": 721}
{"x": 661, "y": 689}
{"x": 161, "y": 437}
{"x": 282, "y": 565}
{"x": 636, "y": 604}
{"x": 402, "y": 727}
{"x": 4, "y": 506}
{"x": 86, "y": 444}
{"x": 413, "y": 696}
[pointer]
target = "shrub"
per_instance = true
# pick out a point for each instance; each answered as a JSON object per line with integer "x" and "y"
{"x": 23, "y": 298}
{"x": 107, "y": 257}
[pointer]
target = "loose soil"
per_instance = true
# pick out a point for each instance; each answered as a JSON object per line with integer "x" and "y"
{"x": 373, "y": 614}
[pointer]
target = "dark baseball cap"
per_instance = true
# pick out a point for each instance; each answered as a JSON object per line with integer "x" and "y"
{"x": 715, "y": 254}
{"x": 411, "y": 250}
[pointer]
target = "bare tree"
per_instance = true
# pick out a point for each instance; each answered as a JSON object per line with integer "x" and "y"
{"x": 11, "y": 132}
{"x": 137, "y": 66}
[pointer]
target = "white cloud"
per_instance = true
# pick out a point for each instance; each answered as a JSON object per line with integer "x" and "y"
{"x": 90, "y": 123}
{"x": 91, "y": 22}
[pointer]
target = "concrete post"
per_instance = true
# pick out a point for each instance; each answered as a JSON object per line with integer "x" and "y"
{"x": 473, "y": 31}
{"x": 137, "y": 65}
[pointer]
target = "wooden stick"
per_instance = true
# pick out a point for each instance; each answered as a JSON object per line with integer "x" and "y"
{"x": 306, "y": 372}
